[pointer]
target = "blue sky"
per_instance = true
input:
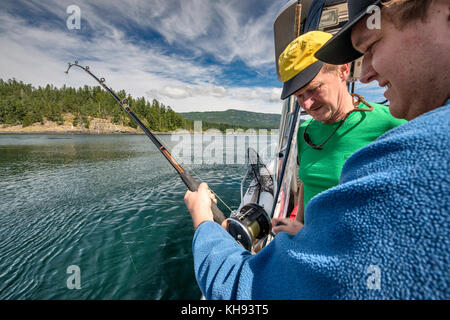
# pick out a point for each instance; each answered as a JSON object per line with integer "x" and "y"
{"x": 193, "y": 55}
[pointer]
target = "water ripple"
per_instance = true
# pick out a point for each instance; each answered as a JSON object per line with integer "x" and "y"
{"x": 110, "y": 205}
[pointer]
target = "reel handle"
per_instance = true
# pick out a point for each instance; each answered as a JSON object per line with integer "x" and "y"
{"x": 192, "y": 185}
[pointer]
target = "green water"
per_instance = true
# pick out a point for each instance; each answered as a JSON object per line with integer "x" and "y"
{"x": 110, "y": 205}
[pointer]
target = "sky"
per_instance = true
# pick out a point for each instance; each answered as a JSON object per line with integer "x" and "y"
{"x": 191, "y": 55}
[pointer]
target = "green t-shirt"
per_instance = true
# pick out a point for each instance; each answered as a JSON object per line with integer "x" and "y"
{"x": 320, "y": 170}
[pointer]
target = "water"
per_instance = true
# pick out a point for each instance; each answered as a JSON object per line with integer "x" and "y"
{"x": 111, "y": 205}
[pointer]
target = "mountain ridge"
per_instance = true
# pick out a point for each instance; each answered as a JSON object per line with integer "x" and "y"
{"x": 248, "y": 119}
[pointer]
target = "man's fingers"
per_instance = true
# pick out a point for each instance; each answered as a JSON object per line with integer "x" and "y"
{"x": 278, "y": 225}
{"x": 201, "y": 192}
{"x": 203, "y": 186}
{"x": 285, "y": 225}
{"x": 279, "y": 229}
{"x": 276, "y": 230}
{"x": 275, "y": 221}
{"x": 280, "y": 222}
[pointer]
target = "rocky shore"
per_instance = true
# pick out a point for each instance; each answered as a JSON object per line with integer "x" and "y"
{"x": 96, "y": 126}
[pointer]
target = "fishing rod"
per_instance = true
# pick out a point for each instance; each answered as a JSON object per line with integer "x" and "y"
{"x": 299, "y": 29}
{"x": 298, "y": 15}
{"x": 285, "y": 157}
{"x": 188, "y": 180}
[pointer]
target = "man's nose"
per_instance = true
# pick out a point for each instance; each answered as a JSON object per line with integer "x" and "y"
{"x": 368, "y": 73}
{"x": 308, "y": 102}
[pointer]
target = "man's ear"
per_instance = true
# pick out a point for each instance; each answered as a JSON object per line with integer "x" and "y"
{"x": 344, "y": 71}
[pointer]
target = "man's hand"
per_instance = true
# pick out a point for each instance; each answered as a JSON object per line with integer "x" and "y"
{"x": 287, "y": 225}
{"x": 199, "y": 204}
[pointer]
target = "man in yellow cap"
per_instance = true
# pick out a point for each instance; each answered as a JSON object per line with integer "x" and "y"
{"x": 342, "y": 123}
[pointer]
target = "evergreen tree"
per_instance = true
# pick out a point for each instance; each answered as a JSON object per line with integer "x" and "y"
{"x": 22, "y": 104}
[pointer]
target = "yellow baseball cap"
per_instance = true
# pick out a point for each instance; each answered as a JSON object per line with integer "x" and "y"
{"x": 297, "y": 64}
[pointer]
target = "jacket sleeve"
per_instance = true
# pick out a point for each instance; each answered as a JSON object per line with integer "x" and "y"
{"x": 288, "y": 268}
{"x": 218, "y": 260}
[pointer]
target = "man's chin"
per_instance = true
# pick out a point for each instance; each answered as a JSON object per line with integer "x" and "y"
{"x": 320, "y": 119}
{"x": 396, "y": 110}
{"x": 322, "y": 116}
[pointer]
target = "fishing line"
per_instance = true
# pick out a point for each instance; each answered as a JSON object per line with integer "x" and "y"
{"x": 128, "y": 249}
{"x": 200, "y": 178}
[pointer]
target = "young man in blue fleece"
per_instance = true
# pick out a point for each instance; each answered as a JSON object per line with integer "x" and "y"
{"x": 383, "y": 232}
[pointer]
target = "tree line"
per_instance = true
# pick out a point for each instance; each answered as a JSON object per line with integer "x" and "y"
{"x": 23, "y": 104}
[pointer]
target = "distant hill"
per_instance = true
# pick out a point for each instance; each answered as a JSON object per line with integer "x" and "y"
{"x": 233, "y": 117}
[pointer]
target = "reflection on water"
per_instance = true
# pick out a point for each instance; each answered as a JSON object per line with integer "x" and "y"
{"x": 111, "y": 205}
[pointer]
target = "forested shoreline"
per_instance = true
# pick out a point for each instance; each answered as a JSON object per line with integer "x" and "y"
{"x": 24, "y": 105}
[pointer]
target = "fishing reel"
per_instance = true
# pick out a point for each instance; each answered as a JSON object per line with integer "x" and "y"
{"x": 250, "y": 224}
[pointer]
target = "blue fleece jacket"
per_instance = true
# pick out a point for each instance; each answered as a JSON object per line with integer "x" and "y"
{"x": 382, "y": 233}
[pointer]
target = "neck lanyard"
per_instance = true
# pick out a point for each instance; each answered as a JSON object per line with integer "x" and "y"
{"x": 360, "y": 99}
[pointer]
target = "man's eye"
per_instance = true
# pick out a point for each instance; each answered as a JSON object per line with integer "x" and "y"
{"x": 317, "y": 88}
{"x": 371, "y": 47}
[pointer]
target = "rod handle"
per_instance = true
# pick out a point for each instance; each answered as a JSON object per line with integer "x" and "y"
{"x": 192, "y": 185}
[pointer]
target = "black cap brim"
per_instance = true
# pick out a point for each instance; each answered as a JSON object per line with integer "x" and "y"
{"x": 339, "y": 49}
{"x": 300, "y": 80}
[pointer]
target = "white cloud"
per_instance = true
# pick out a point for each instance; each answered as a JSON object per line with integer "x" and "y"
{"x": 248, "y": 38}
{"x": 39, "y": 53}
{"x": 226, "y": 29}
{"x": 243, "y": 94}
{"x": 191, "y": 20}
